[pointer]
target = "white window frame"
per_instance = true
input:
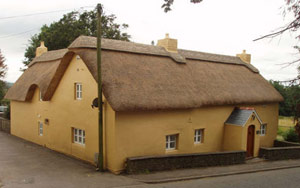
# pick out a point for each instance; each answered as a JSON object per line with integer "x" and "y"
{"x": 41, "y": 99}
{"x": 171, "y": 142}
{"x": 198, "y": 136}
{"x": 263, "y": 129}
{"x": 78, "y": 91}
{"x": 41, "y": 128}
{"x": 79, "y": 136}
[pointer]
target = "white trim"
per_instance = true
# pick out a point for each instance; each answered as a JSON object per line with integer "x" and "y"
{"x": 78, "y": 136}
{"x": 78, "y": 91}
{"x": 40, "y": 128}
{"x": 171, "y": 142}
{"x": 198, "y": 136}
{"x": 263, "y": 129}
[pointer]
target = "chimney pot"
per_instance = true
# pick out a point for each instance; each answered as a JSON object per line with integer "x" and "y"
{"x": 41, "y": 49}
{"x": 168, "y": 43}
{"x": 244, "y": 57}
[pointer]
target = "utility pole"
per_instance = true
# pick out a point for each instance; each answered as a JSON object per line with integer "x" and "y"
{"x": 100, "y": 107}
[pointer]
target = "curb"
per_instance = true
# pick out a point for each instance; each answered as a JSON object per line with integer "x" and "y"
{"x": 215, "y": 175}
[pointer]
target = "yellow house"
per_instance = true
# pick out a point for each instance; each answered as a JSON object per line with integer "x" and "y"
{"x": 158, "y": 100}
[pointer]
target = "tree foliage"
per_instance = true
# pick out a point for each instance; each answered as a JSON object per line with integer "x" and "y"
{"x": 168, "y": 3}
{"x": 3, "y": 66}
{"x": 60, "y": 34}
{"x": 3, "y": 70}
{"x": 291, "y": 94}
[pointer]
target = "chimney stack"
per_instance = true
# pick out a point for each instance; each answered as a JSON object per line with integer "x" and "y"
{"x": 41, "y": 49}
{"x": 168, "y": 43}
{"x": 244, "y": 57}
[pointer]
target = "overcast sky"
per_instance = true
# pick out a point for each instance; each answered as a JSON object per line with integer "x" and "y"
{"x": 223, "y": 27}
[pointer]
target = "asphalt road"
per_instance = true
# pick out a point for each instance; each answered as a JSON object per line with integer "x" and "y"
{"x": 27, "y": 165}
{"x": 24, "y": 164}
{"x": 286, "y": 178}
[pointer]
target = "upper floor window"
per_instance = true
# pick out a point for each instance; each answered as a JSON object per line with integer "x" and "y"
{"x": 171, "y": 142}
{"x": 78, "y": 91}
{"x": 263, "y": 129}
{"x": 198, "y": 137}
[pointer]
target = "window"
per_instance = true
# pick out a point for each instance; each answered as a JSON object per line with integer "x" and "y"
{"x": 79, "y": 136}
{"x": 41, "y": 99}
{"x": 263, "y": 129}
{"x": 40, "y": 127}
{"x": 171, "y": 142}
{"x": 78, "y": 91}
{"x": 198, "y": 137}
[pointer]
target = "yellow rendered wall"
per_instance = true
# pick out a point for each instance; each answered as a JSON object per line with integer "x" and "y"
{"x": 233, "y": 138}
{"x": 269, "y": 114}
{"x": 144, "y": 133}
{"x": 236, "y": 137}
{"x": 63, "y": 112}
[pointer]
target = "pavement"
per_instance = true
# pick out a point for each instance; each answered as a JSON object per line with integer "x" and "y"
{"x": 25, "y": 164}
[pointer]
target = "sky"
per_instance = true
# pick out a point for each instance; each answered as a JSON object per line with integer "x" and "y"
{"x": 214, "y": 26}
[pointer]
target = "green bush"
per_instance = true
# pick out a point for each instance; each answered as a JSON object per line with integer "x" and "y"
{"x": 280, "y": 131}
{"x": 291, "y": 135}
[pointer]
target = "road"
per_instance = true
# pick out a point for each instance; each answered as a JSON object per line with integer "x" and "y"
{"x": 24, "y": 164}
{"x": 286, "y": 178}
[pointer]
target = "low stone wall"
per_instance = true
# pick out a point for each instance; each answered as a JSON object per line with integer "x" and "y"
{"x": 280, "y": 153}
{"x": 285, "y": 143}
{"x": 5, "y": 125}
{"x": 170, "y": 162}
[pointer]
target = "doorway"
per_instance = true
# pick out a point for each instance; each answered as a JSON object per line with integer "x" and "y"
{"x": 250, "y": 141}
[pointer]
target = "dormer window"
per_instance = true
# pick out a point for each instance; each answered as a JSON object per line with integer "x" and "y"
{"x": 78, "y": 91}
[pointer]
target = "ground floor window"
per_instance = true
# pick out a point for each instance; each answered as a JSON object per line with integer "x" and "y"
{"x": 40, "y": 128}
{"x": 171, "y": 141}
{"x": 198, "y": 137}
{"x": 263, "y": 129}
{"x": 78, "y": 136}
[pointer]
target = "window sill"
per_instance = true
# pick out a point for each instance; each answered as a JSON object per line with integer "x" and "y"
{"x": 198, "y": 144}
{"x": 171, "y": 150}
{"x": 78, "y": 144}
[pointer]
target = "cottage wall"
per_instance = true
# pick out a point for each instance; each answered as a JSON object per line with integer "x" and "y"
{"x": 64, "y": 113}
{"x": 144, "y": 133}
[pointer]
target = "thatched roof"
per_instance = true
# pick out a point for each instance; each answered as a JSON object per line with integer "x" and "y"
{"x": 145, "y": 77}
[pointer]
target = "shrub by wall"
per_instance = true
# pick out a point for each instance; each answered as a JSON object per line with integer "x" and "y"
{"x": 170, "y": 162}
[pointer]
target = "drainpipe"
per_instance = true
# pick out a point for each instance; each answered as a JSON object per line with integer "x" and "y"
{"x": 100, "y": 102}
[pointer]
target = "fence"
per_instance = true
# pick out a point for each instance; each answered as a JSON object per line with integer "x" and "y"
{"x": 5, "y": 125}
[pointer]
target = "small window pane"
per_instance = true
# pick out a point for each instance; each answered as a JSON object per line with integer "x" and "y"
{"x": 75, "y": 138}
{"x": 172, "y": 145}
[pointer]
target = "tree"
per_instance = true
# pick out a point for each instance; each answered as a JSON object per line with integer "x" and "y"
{"x": 60, "y": 34}
{"x": 3, "y": 66}
{"x": 3, "y": 70}
{"x": 168, "y": 3}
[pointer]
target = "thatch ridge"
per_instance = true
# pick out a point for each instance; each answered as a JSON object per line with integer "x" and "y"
{"x": 49, "y": 56}
{"x": 132, "y": 47}
{"x": 138, "y": 81}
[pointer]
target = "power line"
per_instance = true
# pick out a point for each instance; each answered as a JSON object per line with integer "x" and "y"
{"x": 25, "y": 15}
{"x": 16, "y": 34}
